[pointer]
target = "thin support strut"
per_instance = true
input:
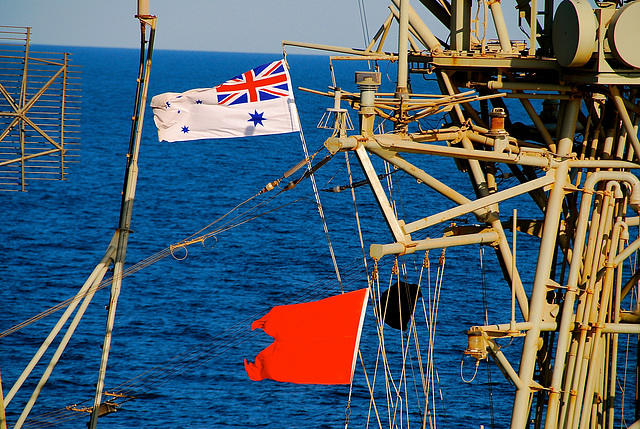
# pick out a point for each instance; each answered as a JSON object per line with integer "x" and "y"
{"x": 130, "y": 181}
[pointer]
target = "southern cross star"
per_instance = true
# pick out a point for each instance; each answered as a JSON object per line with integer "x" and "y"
{"x": 257, "y": 118}
{"x": 185, "y": 129}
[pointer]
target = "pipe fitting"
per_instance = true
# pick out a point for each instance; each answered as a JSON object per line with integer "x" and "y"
{"x": 620, "y": 176}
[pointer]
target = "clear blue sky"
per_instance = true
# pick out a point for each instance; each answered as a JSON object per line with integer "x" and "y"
{"x": 203, "y": 25}
{"x": 209, "y": 25}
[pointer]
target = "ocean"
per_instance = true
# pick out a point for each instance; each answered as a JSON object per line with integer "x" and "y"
{"x": 182, "y": 329}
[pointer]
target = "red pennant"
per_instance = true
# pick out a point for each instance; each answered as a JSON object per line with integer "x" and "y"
{"x": 314, "y": 342}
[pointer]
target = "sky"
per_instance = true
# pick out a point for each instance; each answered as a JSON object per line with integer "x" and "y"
{"x": 205, "y": 25}
{"x": 200, "y": 25}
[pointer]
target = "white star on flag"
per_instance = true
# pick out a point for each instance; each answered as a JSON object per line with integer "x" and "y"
{"x": 257, "y": 102}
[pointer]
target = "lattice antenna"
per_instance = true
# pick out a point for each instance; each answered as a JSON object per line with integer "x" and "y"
{"x": 39, "y": 112}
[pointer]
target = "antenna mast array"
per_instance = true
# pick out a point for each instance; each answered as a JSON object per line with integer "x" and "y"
{"x": 39, "y": 112}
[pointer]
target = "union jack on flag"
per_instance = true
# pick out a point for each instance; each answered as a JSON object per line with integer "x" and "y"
{"x": 266, "y": 82}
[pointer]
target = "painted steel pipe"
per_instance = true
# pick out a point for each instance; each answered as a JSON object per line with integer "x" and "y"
{"x": 522, "y": 403}
{"x": 480, "y": 203}
{"x": 422, "y": 30}
{"x": 377, "y": 251}
{"x": 531, "y": 158}
{"x": 587, "y": 364}
{"x": 403, "y": 47}
{"x": 621, "y": 328}
{"x": 520, "y": 326}
{"x": 422, "y": 176}
{"x": 143, "y": 7}
{"x": 530, "y": 86}
{"x": 596, "y": 350}
{"x": 501, "y": 26}
{"x": 564, "y": 331}
{"x": 340, "y": 49}
{"x": 624, "y": 115}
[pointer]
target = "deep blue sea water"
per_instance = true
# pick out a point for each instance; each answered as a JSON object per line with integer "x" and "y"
{"x": 174, "y": 314}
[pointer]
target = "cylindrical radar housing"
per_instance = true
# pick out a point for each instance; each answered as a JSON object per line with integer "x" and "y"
{"x": 624, "y": 33}
{"x": 574, "y": 33}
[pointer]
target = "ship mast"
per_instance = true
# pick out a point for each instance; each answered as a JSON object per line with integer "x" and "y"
{"x": 128, "y": 193}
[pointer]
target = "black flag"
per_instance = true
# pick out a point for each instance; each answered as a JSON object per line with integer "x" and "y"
{"x": 398, "y": 303}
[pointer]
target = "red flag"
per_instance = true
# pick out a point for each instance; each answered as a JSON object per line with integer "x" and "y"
{"x": 314, "y": 342}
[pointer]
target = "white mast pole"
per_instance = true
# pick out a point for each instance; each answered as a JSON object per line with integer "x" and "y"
{"x": 128, "y": 194}
{"x": 403, "y": 48}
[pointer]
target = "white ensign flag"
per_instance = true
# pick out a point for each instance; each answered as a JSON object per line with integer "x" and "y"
{"x": 254, "y": 103}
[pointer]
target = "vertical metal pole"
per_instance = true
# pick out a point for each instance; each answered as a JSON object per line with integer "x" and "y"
{"x": 521, "y": 405}
{"x": 614, "y": 350}
{"x": 588, "y": 363}
{"x": 130, "y": 181}
{"x": 533, "y": 26}
{"x": 460, "y": 27}
{"x": 596, "y": 362}
{"x": 548, "y": 25}
{"x": 513, "y": 270}
{"x": 21, "y": 102}
{"x": 564, "y": 329}
{"x": 403, "y": 47}
{"x": 427, "y": 37}
{"x": 637, "y": 392}
{"x": 62, "y": 113}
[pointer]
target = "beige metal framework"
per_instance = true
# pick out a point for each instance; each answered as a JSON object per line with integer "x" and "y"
{"x": 577, "y": 156}
{"x": 39, "y": 112}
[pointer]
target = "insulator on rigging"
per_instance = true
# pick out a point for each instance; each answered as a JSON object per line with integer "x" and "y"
{"x": 297, "y": 167}
{"x": 477, "y": 345}
{"x": 335, "y": 189}
{"x": 269, "y": 186}
{"x": 340, "y": 188}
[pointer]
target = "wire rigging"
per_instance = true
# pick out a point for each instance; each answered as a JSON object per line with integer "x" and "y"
{"x": 160, "y": 375}
{"x": 156, "y": 377}
{"x": 242, "y": 218}
{"x": 363, "y": 22}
